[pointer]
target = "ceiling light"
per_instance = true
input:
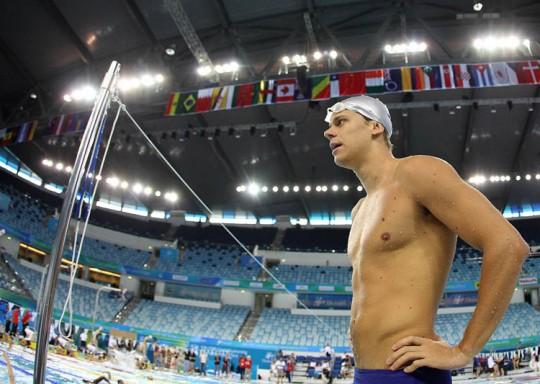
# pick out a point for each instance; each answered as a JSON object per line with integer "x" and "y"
{"x": 296, "y": 188}
{"x": 345, "y": 188}
{"x": 147, "y": 191}
{"x": 33, "y": 96}
{"x": 324, "y": 188}
{"x": 157, "y": 193}
{"x": 317, "y": 55}
{"x": 112, "y": 181}
{"x": 518, "y": 177}
{"x": 69, "y": 169}
{"x": 527, "y": 177}
{"x": 275, "y": 188}
{"x": 264, "y": 189}
{"x": 59, "y": 166}
{"x": 286, "y": 60}
{"x": 285, "y": 189}
{"x": 359, "y": 188}
{"x": 124, "y": 184}
{"x": 253, "y": 189}
{"x": 335, "y": 188}
{"x": 307, "y": 188}
{"x": 241, "y": 188}
{"x": 68, "y": 98}
{"x": 333, "y": 54}
{"x": 318, "y": 188}
{"x": 477, "y": 6}
{"x": 170, "y": 51}
{"x": 204, "y": 70}
{"x": 137, "y": 188}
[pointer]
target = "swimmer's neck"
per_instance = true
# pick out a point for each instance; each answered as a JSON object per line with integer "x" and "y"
{"x": 376, "y": 169}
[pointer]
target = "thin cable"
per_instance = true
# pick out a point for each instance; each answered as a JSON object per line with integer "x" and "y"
{"x": 83, "y": 234}
{"x": 123, "y": 106}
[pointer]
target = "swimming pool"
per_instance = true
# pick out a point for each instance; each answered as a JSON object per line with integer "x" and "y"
{"x": 62, "y": 369}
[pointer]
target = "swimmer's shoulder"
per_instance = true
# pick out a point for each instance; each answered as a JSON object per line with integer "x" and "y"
{"x": 356, "y": 208}
{"x": 414, "y": 171}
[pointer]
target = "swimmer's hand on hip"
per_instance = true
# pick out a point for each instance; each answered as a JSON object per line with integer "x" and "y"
{"x": 414, "y": 352}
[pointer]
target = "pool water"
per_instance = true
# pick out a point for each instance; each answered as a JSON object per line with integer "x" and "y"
{"x": 62, "y": 369}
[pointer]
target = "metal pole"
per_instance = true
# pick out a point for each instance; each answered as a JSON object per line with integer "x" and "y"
{"x": 87, "y": 143}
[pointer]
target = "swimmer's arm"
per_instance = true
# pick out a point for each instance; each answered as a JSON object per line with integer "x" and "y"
{"x": 9, "y": 368}
{"x": 464, "y": 210}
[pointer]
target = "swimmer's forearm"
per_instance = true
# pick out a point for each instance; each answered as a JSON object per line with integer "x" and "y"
{"x": 500, "y": 271}
{"x": 9, "y": 368}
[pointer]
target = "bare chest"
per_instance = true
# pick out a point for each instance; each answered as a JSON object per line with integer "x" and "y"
{"x": 386, "y": 222}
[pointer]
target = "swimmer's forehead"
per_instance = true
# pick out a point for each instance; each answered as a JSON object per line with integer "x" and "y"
{"x": 342, "y": 113}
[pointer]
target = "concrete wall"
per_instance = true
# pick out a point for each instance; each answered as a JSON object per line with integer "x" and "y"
{"x": 237, "y": 297}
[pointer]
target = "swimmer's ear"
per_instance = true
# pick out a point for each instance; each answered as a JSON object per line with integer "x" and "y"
{"x": 376, "y": 128}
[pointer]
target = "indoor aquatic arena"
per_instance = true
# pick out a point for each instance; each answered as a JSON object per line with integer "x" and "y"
{"x": 287, "y": 191}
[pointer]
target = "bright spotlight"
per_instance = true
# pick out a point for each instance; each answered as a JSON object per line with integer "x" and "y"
{"x": 359, "y": 188}
{"x": 124, "y": 184}
{"x": 68, "y": 98}
{"x": 68, "y": 169}
{"x": 275, "y": 188}
{"x": 527, "y": 177}
{"x": 147, "y": 191}
{"x": 518, "y": 178}
{"x": 286, "y": 60}
{"x": 253, "y": 189}
{"x": 241, "y": 188}
{"x": 296, "y": 188}
{"x": 170, "y": 51}
{"x": 137, "y": 188}
{"x": 345, "y": 188}
{"x": 112, "y": 181}
{"x": 147, "y": 80}
{"x": 317, "y": 55}
{"x": 59, "y": 166}
{"x": 264, "y": 189}
{"x": 157, "y": 193}
{"x": 537, "y": 177}
{"x": 333, "y": 54}
{"x": 159, "y": 78}
{"x": 285, "y": 189}
{"x": 171, "y": 196}
{"x": 318, "y": 188}
{"x": 324, "y": 188}
{"x": 204, "y": 70}
{"x": 335, "y": 188}
{"x": 307, "y": 188}
{"x": 477, "y": 6}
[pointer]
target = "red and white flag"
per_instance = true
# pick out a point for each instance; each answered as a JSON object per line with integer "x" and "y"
{"x": 285, "y": 90}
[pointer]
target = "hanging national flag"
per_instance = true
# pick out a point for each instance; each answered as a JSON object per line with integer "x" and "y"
{"x": 480, "y": 75}
{"x": 26, "y": 131}
{"x": 173, "y": 104}
{"x": 320, "y": 87}
{"x": 204, "y": 100}
{"x": 462, "y": 77}
{"x": 223, "y": 98}
{"x": 352, "y": 83}
{"x": 285, "y": 90}
{"x": 6, "y": 136}
{"x": 430, "y": 76}
{"x": 186, "y": 103}
{"x": 335, "y": 88}
{"x": 392, "y": 80}
{"x": 245, "y": 95}
{"x": 502, "y": 74}
{"x": 447, "y": 76}
{"x": 406, "y": 79}
{"x": 54, "y": 127}
{"x": 374, "y": 81}
{"x": 265, "y": 92}
{"x": 526, "y": 72}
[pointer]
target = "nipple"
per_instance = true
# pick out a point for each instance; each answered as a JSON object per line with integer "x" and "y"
{"x": 385, "y": 236}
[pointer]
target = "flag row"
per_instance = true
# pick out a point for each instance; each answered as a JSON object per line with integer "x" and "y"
{"x": 378, "y": 81}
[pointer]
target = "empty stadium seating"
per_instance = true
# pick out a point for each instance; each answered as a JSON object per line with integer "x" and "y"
{"x": 221, "y": 323}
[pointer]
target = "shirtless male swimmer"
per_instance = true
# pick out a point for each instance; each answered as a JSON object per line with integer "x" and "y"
{"x": 401, "y": 245}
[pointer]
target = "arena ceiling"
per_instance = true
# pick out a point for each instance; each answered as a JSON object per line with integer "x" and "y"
{"x": 47, "y": 46}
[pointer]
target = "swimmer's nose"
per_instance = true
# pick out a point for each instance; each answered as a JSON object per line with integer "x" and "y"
{"x": 329, "y": 134}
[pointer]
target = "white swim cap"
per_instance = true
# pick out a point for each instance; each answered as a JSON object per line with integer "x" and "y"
{"x": 367, "y": 106}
